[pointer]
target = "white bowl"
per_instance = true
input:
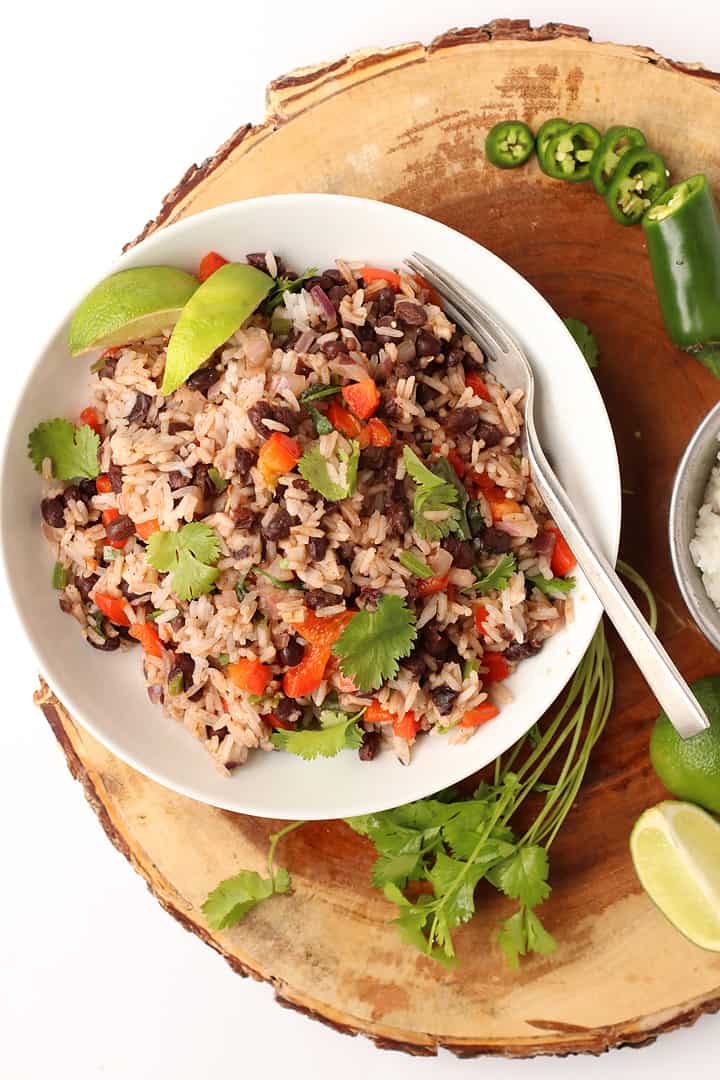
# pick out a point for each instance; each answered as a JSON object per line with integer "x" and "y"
{"x": 105, "y": 692}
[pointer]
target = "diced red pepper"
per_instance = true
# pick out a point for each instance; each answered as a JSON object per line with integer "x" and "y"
{"x": 108, "y": 516}
{"x": 111, "y": 353}
{"x": 301, "y": 680}
{"x": 209, "y": 264}
{"x": 497, "y": 668}
{"x": 479, "y": 715}
{"x": 343, "y": 420}
{"x": 375, "y": 434}
{"x": 103, "y": 484}
{"x": 376, "y": 714}
{"x": 457, "y": 462}
{"x": 145, "y": 529}
{"x": 279, "y": 455}
{"x": 478, "y": 385}
{"x": 406, "y": 727}
{"x": 375, "y": 273}
{"x": 91, "y": 418}
{"x": 249, "y": 674}
{"x": 433, "y": 294}
{"x": 562, "y": 560}
{"x": 148, "y": 637}
{"x": 363, "y": 397}
{"x": 481, "y": 614}
{"x": 275, "y": 722}
{"x": 113, "y": 607}
{"x": 323, "y": 631}
{"x": 431, "y": 585}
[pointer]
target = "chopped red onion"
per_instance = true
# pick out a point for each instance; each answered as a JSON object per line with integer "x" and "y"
{"x": 323, "y": 301}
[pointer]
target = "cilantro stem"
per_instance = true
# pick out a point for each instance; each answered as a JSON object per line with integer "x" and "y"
{"x": 632, "y": 575}
{"x": 275, "y": 839}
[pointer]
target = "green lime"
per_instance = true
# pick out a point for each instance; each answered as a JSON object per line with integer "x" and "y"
{"x": 217, "y": 309}
{"x": 128, "y": 306}
{"x": 675, "y": 849}
{"x": 690, "y": 768}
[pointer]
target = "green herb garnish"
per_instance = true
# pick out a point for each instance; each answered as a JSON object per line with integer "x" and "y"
{"x": 585, "y": 340}
{"x": 219, "y": 481}
{"x": 414, "y": 565}
{"x": 338, "y": 732}
{"x": 72, "y": 450}
{"x": 321, "y": 422}
{"x": 432, "y": 493}
{"x": 318, "y": 392}
{"x": 373, "y": 642}
{"x": 313, "y": 467}
{"x": 279, "y": 583}
{"x": 283, "y": 285}
{"x": 59, "y": 576}
{"x": 442, "y": 468}
{"x": 552, "y": 586}
{"x": 223, "y": 659}
{"x": 189, "y": 555}
{"x": 497, "y": 578}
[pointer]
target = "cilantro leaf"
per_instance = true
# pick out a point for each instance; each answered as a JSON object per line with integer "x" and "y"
{"x": 522, "y": 933}
{"x": 585, "y": 340}
{"x": 342, "y": 734}
{"x": 321, "y": 422}
{"x": 233, "y": 898}
{"x": 284, "y": 284}
{"x": 454, "y": 881}
{"x": 539, "y": 940}
{"x": 317, "y": 392}
{"x": 498, "y": 577}
{"x": 313, "y": 467}
{"x": 554, "y": 585}
{"x": 189, "y": 555}
{"x": 398, "y": 869}
{"x": 373, "y": 642}
{"x": 442, "y": 468}
{"x": 72, "y": 450}
{"x": 523, "y": 876}
{"x": 432, "y": 493}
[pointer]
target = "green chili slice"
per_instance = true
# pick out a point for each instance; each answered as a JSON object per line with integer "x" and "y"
{"x": 548, "y": 131}
{"x": 59, "y": 576}
{"x": 615, "y": 142}
{"x": 569, "y": 153}
{"x": 638, "y": 180}
{"x": 509, "y": 144}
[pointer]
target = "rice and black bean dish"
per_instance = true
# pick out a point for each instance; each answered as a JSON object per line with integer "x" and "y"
{"x": 326, "y": 537}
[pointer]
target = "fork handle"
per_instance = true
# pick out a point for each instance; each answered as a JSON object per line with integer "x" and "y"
{"x": 660, "y": 673}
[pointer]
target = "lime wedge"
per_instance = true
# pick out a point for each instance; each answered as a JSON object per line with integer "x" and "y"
{"x": 216, "y": 310}
{"x": 675, "y": 849}
{"x": 128, "y": 306}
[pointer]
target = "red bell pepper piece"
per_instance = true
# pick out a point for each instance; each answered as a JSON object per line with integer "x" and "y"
{"x": 363, "y": 397}
{"x": 249, "y": 674}
{"x": 90, "y": 417}
{"x": 148, "y": 637}
{"x": 113, "y": 607}
{"x": 209, "y": 264}
{"x": 479, "y": 715}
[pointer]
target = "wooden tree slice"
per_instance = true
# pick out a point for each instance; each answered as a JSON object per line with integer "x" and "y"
{"x": 407, "y": 125}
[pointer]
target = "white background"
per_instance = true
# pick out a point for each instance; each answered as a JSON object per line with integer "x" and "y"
{"x": 104, "y": 106}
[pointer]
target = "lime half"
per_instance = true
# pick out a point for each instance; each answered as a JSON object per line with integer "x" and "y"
{"x": 675, "y": 848}
{"x": 128, "y": 306}
{"x": 217, "y": 309}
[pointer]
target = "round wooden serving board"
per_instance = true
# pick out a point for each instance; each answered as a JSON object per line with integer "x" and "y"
{"x": 407, "y": 125}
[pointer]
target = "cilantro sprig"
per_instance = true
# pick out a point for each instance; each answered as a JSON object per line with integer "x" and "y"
{"x": 72, "y": 450}
{"x": 189, "y": 555}
{"x": 497, "y": 578}
{"x": 373, "y": 643}
{"x": 283, "y": 285}
{"x": 432, "y": 493}
{"x": 313, "y": 467}
{"x": 552, "y": 586}
{"x": 338, "y": 731}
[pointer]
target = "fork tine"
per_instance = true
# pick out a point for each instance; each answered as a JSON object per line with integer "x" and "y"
{"x": 481, "y": 315}
{"x": 455, "y": 306}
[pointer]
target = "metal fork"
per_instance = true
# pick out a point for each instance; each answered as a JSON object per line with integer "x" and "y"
{"x": 513, "y": 369}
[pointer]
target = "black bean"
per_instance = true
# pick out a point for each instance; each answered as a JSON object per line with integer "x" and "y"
{"x": 278, "y": 528}
{"x": 120, "y": 528}
{"x": 87, "y": 488}
{"x": 318, "y": 598}
{"x": 107, "y": 371}
{"x": 257, "y": 259}
{"x": 115, "y": 476}
{"x": 416, "y": 663}
{"x": 385, "y": 301}
{"x": 370, "y": 745}
{"x": 108, "y": 644}
{"x": 462, "y": 552}
{"x": 245, "y": 518}
{"x": 288, "y": 710}
{"x": 317, "y": 547}
{"x": 434, "y": 643}
{"x": 221, "y": 732}
{"x": 183, "y": 665}
{"x": 489, "y": 433}
{"x": 333, "y": 349}
{"x": 337, "y": 294}
{"x": 85, "y": 585}
{"x": 334, "y": 275}
{"x": 259, "y": 412}
{"x": 127, "y": 591}
{"x": 301, "y": 484}
{"x": 140, "y": 409}
{"x": 462, "y": 420}
{"x": 177, "y": 426}
{"x": 444, "y": 699}
{"x": 455, "y": 358}
{"x": 426, "y": 344}
{"x": 53, "y": 511}
{"x": 203, "y": 480}
{"x": 390, "y": 407}
{"x": 244, "y": 461}
{"x": 371, "y": 347}
{"x": 286, "y": 416}
{"x": 373, "y": 457}
{"x": 177, "y": 480}
{"x": 495, "y": 541}
{"x": 521, "y": 650}
{"x": 398, "y": 514}
{"x": 410, "y": 314}
{"x": 291, "y": 654}
{"x": 205, "y": 377}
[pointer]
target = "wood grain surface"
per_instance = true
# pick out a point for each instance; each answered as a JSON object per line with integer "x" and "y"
{"x": 407, "y": 125}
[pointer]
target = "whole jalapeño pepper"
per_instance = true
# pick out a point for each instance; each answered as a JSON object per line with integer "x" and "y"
{"x": 639, "y": 179}
{"x": 682, "y": 230}
{"x": 615, "y": 142}
{"x": 509, "y": 144}
{"x": 569, "y": 153}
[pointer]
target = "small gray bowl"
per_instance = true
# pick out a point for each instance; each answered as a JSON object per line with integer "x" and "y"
{"x": 688, "y": 493}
